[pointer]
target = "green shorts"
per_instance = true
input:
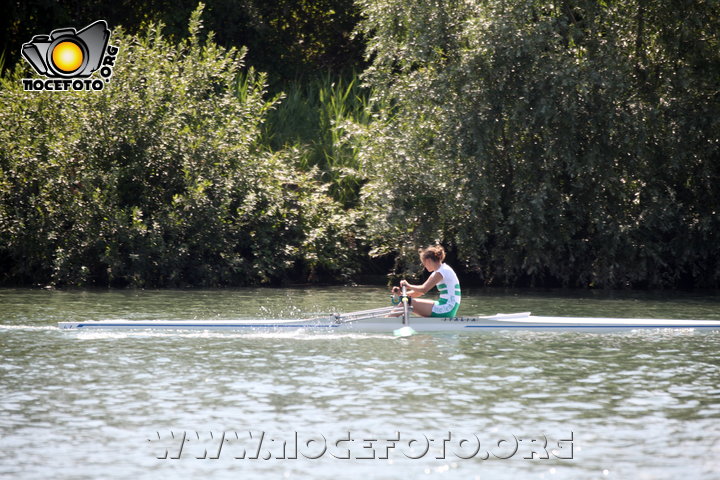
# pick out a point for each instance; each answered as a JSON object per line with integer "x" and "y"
{"x": 444, "y": 312}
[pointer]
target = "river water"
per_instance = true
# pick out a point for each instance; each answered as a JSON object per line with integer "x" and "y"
{"x": 530, "y": 405}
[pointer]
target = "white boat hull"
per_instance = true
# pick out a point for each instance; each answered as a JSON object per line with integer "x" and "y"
{"x": 513, "y": 321}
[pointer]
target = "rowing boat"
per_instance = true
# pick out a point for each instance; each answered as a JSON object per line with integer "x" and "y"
{"x": 512, "y": 321}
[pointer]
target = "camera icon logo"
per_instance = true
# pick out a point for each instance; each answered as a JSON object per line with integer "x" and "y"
{"x": 67, "y": 53}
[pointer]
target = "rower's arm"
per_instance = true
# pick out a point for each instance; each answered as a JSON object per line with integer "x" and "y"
{"x": 420, "y": 290}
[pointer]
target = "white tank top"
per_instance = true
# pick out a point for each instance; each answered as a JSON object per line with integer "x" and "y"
{"x": 449, "y": 286}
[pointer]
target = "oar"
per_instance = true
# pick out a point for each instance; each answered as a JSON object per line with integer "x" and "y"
{"x": 352, "y": 316}
{"x": 363, "y": 314}
{"x": 406, "y": 330}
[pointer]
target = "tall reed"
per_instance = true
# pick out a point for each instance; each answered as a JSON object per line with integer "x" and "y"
{"x": 311, "y": 117}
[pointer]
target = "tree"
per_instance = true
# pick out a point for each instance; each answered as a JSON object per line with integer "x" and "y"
{"x": 555, "y": 143}
{"x": 159, "y": 179}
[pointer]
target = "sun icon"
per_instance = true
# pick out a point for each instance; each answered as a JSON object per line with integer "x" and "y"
{"x": 67, "y": 56}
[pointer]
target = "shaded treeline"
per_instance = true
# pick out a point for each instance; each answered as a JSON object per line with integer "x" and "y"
{"x": 288, "y": 39}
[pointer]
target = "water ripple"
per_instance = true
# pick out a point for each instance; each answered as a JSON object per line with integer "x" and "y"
{"x": 639, "y": 405}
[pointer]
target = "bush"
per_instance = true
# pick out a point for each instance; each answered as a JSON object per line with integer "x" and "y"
{"x": 159, "y": 179}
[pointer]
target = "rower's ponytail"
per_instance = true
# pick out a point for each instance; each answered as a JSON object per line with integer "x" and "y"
{"x": 435, "y": 253}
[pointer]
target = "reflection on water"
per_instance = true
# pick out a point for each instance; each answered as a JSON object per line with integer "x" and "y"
{"x": 643, "y": 404}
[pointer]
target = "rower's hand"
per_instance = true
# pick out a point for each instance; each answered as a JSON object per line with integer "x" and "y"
{"x": 396, "y": 291}
{"x": 404, "y": 283}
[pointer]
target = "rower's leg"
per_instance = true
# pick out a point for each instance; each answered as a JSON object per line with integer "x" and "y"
{"x": 422, "y": 307}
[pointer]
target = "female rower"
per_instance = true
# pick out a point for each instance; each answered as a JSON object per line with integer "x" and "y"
{"x": 441, "y": 276}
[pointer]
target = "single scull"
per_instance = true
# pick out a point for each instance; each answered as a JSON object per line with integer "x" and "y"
{"x": 370, "y": 321}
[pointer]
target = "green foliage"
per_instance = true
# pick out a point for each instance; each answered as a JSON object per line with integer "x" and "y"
{"x": 556, "y": 143}
{"x": 571, "y": 143}
{"x": 159, "y": 179}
